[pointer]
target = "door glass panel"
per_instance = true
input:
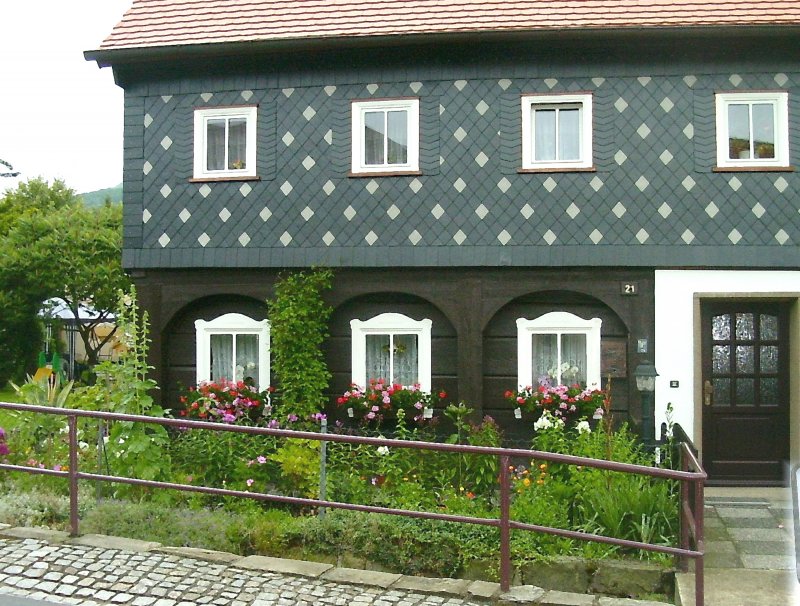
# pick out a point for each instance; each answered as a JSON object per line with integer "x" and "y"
{"x": 745, "y": 392}
{"x": 769, "y": 327}
{"x": 769, "y": 392}
{"x": 722, "y": 392}
{"x": 721, "y": 362}
{"x": 745, "y": 359}
{"x": 745, "y": 328}
{"x": 769, "y": 358}
{"x": 721, "y": 327}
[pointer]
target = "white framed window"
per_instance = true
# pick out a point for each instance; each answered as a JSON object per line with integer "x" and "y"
{"x": 559, "y": 347}
{"x": 392, "y": 347}
{"x": 385, "y": 136}
{"x": 752, "y": 129}
{"x": 234, "y": 347}
{"x": 557, "y": 131}
{"x": 225, "y": 142}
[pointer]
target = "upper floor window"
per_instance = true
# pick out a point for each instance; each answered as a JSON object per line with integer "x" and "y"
{"x": 225, "y": 142}
{"x": 752, "y": 129}
{"x": 556, "y": 132}
{"x": 559, "y": 348}
{"x": 234, "y": 347}
{"x": 385, "y": 136}
{"x": 392, "y": 347}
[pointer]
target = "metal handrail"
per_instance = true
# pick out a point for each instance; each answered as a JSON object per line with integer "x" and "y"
{"x": 690, "y": 474}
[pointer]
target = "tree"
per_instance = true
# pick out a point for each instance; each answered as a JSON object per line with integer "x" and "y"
{"x": 56, "y": 247}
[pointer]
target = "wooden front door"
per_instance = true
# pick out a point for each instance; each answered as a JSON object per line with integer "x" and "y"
{"x": 745, "y": 392}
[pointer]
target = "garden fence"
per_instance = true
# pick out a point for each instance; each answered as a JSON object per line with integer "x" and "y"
{"x": 691, "y": 476}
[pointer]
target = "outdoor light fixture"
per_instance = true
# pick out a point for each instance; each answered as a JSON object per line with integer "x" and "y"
{"x": 646, "y": 375}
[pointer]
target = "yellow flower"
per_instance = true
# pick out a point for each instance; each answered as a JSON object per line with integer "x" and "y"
{"x": 527, "y": 481}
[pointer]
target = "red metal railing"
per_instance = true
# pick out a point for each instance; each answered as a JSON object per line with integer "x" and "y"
{"x": 691, "y": 475}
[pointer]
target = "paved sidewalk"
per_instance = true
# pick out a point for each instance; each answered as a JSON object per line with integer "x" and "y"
{"x": 94, "y": 570}
{"x": 750, "y": 558}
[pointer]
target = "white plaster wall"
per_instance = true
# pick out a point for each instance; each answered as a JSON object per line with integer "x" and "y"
{"x": 675, "y": 294}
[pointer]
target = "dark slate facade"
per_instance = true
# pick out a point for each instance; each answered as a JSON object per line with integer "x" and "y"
{"x": 653, "y": 200}
{"x": 471, "y": 242}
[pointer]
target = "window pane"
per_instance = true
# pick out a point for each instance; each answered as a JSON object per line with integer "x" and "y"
{"x": 374, "y": 137}
{"x": 739, "y": 131}
{"x": 573, "y": 359}
{"x": 406, "y": 358}
{"x": 569, "y": 121}
{"x": 397, "y": 146}
{"x": 545, "y": 358}
{"x": 377, "y": 363}
{"x": 237, "y": 143}
{"x": 763, "y": 130}
{"x": 221, "y": 357}
{"x": 544, "y": 130}
{"x": 215, "y": 144}
{"x": 247, "y": 359}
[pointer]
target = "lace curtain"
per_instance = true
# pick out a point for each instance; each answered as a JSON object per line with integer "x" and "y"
{"x": 246, "y": 355}
{"x": 567, "y": 366}
{"x": 393, "y": 358}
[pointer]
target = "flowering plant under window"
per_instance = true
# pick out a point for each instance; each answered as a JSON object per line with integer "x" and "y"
{"x": 570, "y": 403}
{"x": 227, "y": 402}
{"x": 382, "y": 400}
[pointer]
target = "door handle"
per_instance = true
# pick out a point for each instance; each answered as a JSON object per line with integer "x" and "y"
{"x": 708, "y": 392}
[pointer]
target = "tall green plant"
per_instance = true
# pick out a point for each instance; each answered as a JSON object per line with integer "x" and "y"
{"x": 298, "y": 326}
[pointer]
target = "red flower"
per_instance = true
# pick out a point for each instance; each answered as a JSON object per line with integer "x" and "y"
{"x": 442, "y": 394}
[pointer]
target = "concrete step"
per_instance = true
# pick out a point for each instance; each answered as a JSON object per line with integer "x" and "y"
{"x": 740, "y": 587}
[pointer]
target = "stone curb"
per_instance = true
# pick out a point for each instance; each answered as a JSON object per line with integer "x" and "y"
{"x": 524, "y": 595}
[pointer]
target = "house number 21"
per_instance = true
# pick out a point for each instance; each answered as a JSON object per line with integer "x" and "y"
{"x": 629, "y": 288}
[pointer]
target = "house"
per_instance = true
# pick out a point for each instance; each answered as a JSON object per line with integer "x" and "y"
{"x": 506, "y": 190}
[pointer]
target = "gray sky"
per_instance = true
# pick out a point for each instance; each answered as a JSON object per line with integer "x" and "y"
{"x": 60, "y": 116}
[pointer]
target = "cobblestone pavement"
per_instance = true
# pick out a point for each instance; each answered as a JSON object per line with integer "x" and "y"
{"x": 76, "y": 574}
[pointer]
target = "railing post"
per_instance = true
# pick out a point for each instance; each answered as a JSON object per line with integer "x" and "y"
{"x": 699, "y": 569}
{"x": 684, "y": 561}
{"x": 505, "y": 528}
{"x": 323, "y": 471}
{"x": 72, "y": 422}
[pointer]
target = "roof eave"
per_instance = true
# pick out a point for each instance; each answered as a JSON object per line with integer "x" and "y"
{"x": 116, "y": 56}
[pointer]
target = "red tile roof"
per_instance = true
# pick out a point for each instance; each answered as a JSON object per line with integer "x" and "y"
{"x": 153, "y": 23}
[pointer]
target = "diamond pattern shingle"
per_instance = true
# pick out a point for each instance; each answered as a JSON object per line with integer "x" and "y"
{"x": 153, "y": 23}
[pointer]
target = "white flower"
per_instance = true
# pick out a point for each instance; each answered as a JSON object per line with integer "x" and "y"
{"x": 127, "y": 301}
{"x": 583, "y": 427}
{"x": 83, "y": 445}
{"x": 383, "y": 450}
{"x": 544, "y": 422}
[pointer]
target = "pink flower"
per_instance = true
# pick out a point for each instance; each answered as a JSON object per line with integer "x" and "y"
{"x": 261, "y": 459}
{"x": 250, "y": 482}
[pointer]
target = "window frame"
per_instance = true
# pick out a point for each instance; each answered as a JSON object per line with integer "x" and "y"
{"x": 232, "y": 324}
{"x": 358, "y": 111}
{"x": 390, "y": 324}
{"x": 558, "y": 323}
{"x": 585, "y": 136}
{"x": 201, "y": 117}
{"x": 780, "y": 101}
